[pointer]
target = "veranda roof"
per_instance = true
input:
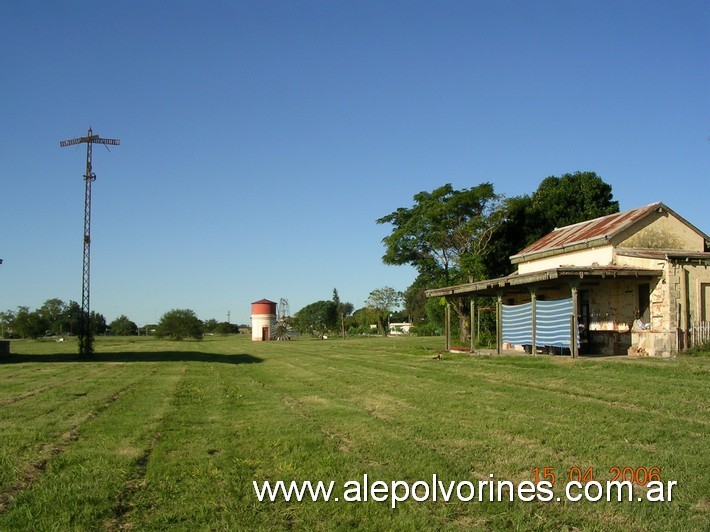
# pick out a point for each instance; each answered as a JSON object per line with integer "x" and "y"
{"x": 547, "y": 278}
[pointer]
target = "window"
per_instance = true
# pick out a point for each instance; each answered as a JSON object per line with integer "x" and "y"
{"x": 705, "y": 302}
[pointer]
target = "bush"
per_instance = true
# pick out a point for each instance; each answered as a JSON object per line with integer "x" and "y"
{"x": 702, "y": 350}
{"x": 427, "y": 329}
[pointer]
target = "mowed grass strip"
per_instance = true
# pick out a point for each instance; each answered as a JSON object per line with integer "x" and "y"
{"x": 507, "y": 428}
{"x": 81, "y": 481}
{"x": 157, "y": 435}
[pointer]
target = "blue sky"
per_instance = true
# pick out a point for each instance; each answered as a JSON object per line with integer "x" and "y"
{"x": 261, "y": 140}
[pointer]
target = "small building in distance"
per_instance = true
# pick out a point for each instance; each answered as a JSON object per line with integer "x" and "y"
{"x": 263, "y": 319}
{"x": 397, "y": 329}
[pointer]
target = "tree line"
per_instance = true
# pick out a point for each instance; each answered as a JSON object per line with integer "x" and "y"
{"x": 57, "y": 318}
{"x": 53, "y": 318}
{"x": 332, "y": 316}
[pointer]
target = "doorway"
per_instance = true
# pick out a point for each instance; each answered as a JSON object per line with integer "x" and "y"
{"x": 645, "y": 302}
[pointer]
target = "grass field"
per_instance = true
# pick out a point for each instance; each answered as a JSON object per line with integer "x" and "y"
{"x": 154, "y": 434}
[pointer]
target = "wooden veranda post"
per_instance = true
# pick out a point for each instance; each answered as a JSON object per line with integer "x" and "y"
{"x": 473, "y": 338}
{"x": 499, "y": 323}
{"x": 447, "y": 325}
{"x": 574, "y": 331}
{"x": 533, "y": 305}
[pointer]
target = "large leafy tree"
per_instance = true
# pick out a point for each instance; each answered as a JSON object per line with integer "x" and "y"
{"x": 445, "y": 232}
{"x": 521, "y": 226}
{"x": 122, "y": 326}
{"x": 98, "y": 323}
{"x": 210, "y": 325}
{"x": 73, "y": 317}
{"x": 29, "y": 324}
{"x": 360, "y": 320}
{"x": 382, "y": 302}
{"x": 572, "y": 198}
{"x": 179, "y": 324}
{"x": 317, "y": 318}
{"x": 54, "y": 312}
{"x": 445, "y": 236}
{"x": 557, "y": 202}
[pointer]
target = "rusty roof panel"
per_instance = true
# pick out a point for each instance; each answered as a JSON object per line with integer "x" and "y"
{"x": 597, "y": 229}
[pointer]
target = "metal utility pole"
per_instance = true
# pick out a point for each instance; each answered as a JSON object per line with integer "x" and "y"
{"x": 86, "y": 334}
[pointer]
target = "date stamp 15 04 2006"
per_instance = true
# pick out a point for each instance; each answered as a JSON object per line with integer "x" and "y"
{"x": 621, "y": 480}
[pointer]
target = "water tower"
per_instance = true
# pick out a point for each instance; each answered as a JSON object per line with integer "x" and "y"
{"x": 263, "y": 319}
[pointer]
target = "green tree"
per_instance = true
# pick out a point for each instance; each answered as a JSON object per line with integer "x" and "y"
{"x": 360, "y": 320}
{"x": 54, "y": 312}
{"x": 98, "y": 323}
{"x": 210, "y": 325}
{"x": 344, "y": 310}
{"x": 122, "y": 326}
{"x": 226, "y": 328}
{"x": 382, "y": 302}
{"x": 29, "y": 324}
{"x": 6, "y": 319}
{"x": 415, "y": 300}
{"x": 444, "y": 233}
{"x": 73, "y": 317}
{"x": 445, "y": 236}
{"x": 317, "y": 318}
{"x": 572, "y": 198}
{"x": 521, "y": 226}
{"x": 557, "y": 202}
{"x": 178, "y": 324}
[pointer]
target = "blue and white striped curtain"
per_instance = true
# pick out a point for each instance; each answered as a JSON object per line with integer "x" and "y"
{"x": 551, "y": 328}
{"x": 517, "y": 324}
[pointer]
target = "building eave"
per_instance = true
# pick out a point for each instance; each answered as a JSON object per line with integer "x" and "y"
{"x": 589, "y": 243}
{"x": 673, "y": 255}
{"x": 570, "y": 274}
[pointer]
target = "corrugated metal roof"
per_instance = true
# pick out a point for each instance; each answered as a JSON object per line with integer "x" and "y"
{"x": 586, "y": 232}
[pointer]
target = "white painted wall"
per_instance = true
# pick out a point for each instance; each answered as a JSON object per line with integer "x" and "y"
{"x": 258, "y": 322}
{"x": 603, "y": 256}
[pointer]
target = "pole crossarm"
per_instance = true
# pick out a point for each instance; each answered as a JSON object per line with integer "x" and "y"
{"x": 93, "y": 139}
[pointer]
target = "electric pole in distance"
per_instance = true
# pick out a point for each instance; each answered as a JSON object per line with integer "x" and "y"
{"x": 86, "y": 333}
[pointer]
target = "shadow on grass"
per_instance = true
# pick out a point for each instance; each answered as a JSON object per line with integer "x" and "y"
{"x": 156, "y": 356}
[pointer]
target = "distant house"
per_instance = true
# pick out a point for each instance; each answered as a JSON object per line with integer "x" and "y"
{"x": 399, "y": 328}
{"x": 631, "y": 282}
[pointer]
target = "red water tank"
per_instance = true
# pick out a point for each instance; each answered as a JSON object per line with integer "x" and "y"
{"x": 263, "y": 306}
